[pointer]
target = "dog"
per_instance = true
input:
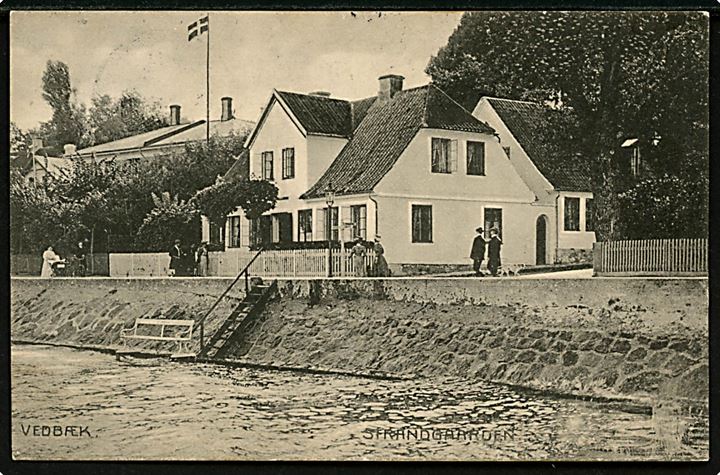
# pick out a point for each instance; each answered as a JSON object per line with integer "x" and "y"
{"x": 506, "y": 270}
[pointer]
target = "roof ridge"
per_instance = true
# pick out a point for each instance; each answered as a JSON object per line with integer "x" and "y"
{"x": 511, "y": 100}
{"x": 458, "y": 104}
{"x": 313, "y": 96}
{"x": 448, "y": 96}
{"x": 425, "y": 108}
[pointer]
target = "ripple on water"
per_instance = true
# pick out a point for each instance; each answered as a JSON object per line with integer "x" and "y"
{"x": 161, "y": 409}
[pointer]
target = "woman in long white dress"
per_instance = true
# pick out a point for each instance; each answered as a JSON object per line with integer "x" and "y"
{"x": 358, "y": 252}
{"x": 49, "y": 258}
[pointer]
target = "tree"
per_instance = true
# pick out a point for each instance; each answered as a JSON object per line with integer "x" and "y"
{"x": 170, "y": 219}
{"x": 131, "y": 114}
{"x": 67, "y": 125}
{"x": 620, "y": 74}
{"x": 254, "y": 196}
{"x": 20, "y": 143}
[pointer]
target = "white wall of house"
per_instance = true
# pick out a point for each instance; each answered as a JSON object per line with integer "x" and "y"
{"x": 570, "y": 239}
{"x": 322, "y": 150}
{"x": 276, "y": 133}
{"x": 453, "y": 230}
{"x": 458, "y": 203}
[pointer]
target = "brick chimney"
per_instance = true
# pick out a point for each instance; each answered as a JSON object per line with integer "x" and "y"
{"x": 174, "y": 114}
{"x": 390, "y": 84}
{"x": 69, "y": 149}
{"x": 227, "y": 112}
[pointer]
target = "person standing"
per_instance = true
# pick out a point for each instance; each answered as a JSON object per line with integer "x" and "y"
{"x": 494, "y": 251}
{"x": 358, "y": 252}
{"x": 381, "y": 265}
{"x": 49, "y": 258}
{"x": 201, "y": 259}
{"x": 477, "y": 253}
{"x": 175, "y": 258}
{"x": 79, "y": 267}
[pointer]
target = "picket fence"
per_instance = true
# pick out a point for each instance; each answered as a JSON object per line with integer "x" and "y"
{"x": 659, "y": 257}
{"x": 286, "y": 263}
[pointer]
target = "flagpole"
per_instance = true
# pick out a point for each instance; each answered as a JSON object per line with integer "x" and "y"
{"x": 207, "y": 84}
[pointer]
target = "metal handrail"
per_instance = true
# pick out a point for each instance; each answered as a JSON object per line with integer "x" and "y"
{"x": 246, "y": 272}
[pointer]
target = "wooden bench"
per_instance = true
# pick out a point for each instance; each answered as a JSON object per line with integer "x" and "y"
{"x": 182, "y": 338}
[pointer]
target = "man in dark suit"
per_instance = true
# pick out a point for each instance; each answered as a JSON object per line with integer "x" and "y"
{"x": 175, "y": 258}
{"x": 494, "y": 251}
{"x": 477, "y": 254}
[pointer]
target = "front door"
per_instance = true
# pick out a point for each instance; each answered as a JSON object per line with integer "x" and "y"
{"x": 493, "y": 219}
{"x": 541, "y": 240}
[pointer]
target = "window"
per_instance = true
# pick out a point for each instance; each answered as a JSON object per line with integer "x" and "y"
{"x": 421, "y": 223}
{"x": 217, "y": 233}
{"x": 261, "y": 232}
{"x": 635, "y": 163}
{"x": 288, "y": 163}
{"x": 323, "y": 235}
{"x": 282, "y": 227}
{"x": 305, "y": 225}
{"x": 267, "y": 166}
{"x": 589, "y": 223}
{"x": 358, "y": 215}
{"x": 572, "y": 214}
{"x": 444, "y": 155}
{"x": 475, "y": 158}
{"x": 234, "y": 231}
{"x": 493, "y": 219}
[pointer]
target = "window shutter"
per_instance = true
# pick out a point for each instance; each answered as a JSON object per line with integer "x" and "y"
{"x": 434, "y": 152}
{"x": 257, "y": 165}
{"x": 453, "y": 156}
{"x": 244, "y": 232}
{"x": 321, "y": 217}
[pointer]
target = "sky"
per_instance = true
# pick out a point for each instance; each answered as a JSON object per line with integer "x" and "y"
{"x": 251, "y": 53}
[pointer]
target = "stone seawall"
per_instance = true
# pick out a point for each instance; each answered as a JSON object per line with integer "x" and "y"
{"x": 641, "y": 338}
{"x": 91, "y": 312}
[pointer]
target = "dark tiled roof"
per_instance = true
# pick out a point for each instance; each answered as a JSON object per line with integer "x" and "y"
{"x": 240, "y": 169}
{"x": 385, "y": 132}
{"x": 318, "y": 114}
{"x": 526, "y": 121}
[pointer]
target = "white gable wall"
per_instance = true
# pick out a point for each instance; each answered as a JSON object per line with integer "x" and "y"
{"x": 277, "y": 132}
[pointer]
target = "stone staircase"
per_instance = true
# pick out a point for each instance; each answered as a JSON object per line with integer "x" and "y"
{"x": 252, "y": 305}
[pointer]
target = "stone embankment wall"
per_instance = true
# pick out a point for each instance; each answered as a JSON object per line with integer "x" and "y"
{"x": 643, "y": 338}
{"x": 91, "y": 312}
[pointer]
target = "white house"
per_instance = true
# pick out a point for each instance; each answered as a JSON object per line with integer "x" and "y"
{"x": 563, "y": 184}
{"x": 411, "y": 165}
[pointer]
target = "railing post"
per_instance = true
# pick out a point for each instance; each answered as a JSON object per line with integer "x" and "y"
{"x": 247, "y": 282}
{"x": 202, "y": 336}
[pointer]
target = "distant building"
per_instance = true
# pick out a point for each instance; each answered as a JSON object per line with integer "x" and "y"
{"x": 167, "y": 139}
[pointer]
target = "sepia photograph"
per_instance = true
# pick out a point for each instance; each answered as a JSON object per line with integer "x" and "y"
{"x": 359, "y": 235}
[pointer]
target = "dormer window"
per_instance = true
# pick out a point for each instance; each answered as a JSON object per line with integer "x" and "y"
{"x": 444, "y": 155}
{"x": 633, "y": 148}
{"x": 475, "y": 158}
{"x": 267, "y": 166}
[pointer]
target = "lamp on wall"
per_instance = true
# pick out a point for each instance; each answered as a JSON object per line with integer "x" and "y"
{"x": 329, "y": 200}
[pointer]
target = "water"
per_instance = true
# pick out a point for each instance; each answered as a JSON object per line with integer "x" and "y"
{"x": 158, "y": 409}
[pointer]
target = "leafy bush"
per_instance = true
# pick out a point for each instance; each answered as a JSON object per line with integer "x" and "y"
{"x": 170, "y": 219}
